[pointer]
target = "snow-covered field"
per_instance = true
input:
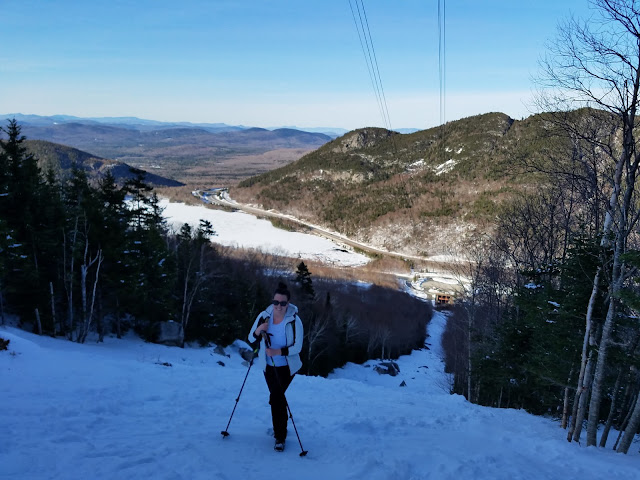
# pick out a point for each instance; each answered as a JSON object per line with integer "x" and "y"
{"x": 125, "y": 409}
{"x": 239, "y": 229}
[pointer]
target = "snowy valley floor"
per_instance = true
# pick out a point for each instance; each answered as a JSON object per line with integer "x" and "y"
{"x": 114, "y": 411}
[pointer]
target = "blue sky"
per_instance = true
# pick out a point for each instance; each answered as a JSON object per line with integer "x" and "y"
{"x": 271, "y": 63}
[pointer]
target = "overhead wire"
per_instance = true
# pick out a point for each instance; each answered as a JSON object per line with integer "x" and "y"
{"x": 374, "y": 71}
{"x": 371, "y": 60}
{"x": 377, "y": 69}
{"x": 365, "y": 56}
{"x": 442, "y": 72}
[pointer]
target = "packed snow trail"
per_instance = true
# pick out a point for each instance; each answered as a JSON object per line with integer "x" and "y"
{"x": 118, "y": 410}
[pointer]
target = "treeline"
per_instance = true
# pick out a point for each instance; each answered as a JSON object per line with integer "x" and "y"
{"x": 81, "y": 257}
{"x": 550, "y": 321}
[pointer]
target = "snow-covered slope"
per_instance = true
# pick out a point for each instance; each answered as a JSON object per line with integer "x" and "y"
{"x": 117, "y": 410}
{"x": 239, "y": 229}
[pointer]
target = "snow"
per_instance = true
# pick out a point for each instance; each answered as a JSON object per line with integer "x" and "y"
{"x": 239, "y": 229}
{"x": 445, "y": 167}
{"x": 428, "y": 284}
{"x": 118, "y": 410}
{"x": 125, "y": 409}
{"x": 416, "y": 165}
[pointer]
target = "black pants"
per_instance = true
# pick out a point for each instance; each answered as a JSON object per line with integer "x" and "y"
{"x": 278, "y": 380}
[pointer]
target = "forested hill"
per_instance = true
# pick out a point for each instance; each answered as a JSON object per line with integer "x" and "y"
{"x": 61, "y": 158}
{"x": 395, "y": 189}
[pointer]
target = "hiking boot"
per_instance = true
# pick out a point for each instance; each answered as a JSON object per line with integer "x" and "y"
{"x": 279, "y": 446}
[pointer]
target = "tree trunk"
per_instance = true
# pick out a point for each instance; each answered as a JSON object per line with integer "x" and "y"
{"x": 38, "y": 322}
{"x": 565, "y": 403}
{"x": 118, "y": 325}
{"x": 53, "y": 309}
{"x": 582, "y": 403}
{"x": 625, "y": 422}
{"x": 83, "y": 292}
{"x": 87, "y": 313}
{"x": 68, "y": 277}
{"x": 599, "y": 377}
{"x": 1, "y": 307}
{"x": 603, "y": 350}
{"x": 184, "y": 318}
{"x": 469, "y": 360}
{"x": 93, "y": 293}
{"x": 585, "y": 356}
{"x": 632, "y": 428}
{"x": 99, "y": 319}
{"x": 607, "y": 427}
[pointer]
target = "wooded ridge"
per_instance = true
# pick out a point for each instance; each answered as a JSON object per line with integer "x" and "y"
{"x": 61, "y": 159}
{"x": 402, "y": 191}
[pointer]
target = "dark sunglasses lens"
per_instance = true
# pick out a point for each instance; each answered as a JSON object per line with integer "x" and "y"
{"x": 282, "y": 304}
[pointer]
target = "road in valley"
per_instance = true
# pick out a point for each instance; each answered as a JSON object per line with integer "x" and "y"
{"x": 441, "y": 279}
{"x": 220, "y": 197}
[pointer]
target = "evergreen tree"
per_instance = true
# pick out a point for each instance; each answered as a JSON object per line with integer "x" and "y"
{"x": 4, "y": 175}
{"x": 4, "y": 237}
{"x": 303, "y": 278}
{"x": 51, "y": 231}
{"x": 80, "y": 246}
{"x": 528, "y": 360}
{"x": 21, "y": 203}
{"x": 194, "y": 272}
{"x": 4, "y": 232}
{"x": 149, "y": 268}
{"x": 23, "y": 177}
{"x": 113, "y": 241}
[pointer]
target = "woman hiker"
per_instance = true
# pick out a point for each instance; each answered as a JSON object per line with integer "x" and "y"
{"x": 279, "y": 329}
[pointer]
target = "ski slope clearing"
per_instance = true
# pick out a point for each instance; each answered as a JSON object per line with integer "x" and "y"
{"x": 124, "y": 409}
{"x": 239, "y": 229}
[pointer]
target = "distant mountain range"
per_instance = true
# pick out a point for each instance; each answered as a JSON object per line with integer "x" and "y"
{"x": 145, "y": 125}
{"x": 183, "y": 151}
{"x": 198, "y": 154}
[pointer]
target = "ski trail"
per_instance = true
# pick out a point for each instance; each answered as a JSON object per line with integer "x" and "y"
{"x": 421, "y": 370}
{"x": 435, "y": 330}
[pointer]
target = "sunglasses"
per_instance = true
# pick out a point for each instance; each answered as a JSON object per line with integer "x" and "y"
{"x": 282, "y": 304}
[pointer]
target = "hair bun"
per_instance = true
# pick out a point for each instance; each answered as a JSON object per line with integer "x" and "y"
{"x": 283, "y": 290}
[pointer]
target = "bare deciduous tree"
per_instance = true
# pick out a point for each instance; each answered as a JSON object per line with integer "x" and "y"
{"x": 69, "y": 242}
{"x": 596, "y": 63}
{"x": 315, "y": 338}
{"x": 87, "y": 311}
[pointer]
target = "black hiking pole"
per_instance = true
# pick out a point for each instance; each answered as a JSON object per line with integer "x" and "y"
{"x": 267, "y": 340}
{"x": 224, "y": 432}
